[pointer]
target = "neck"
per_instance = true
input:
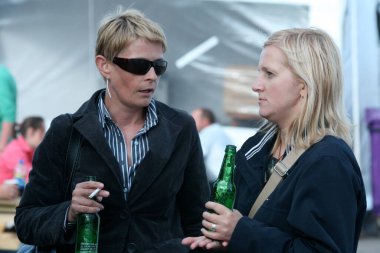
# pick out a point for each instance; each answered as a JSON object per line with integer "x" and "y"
{"x": 123, "y": 116}
{"x": 280, "y": 145}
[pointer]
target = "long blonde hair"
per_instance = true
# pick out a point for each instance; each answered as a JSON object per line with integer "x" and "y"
{"x": 313, "y": 56}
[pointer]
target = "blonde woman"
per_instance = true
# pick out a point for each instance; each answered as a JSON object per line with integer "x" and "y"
{"x": 319, "y": 206}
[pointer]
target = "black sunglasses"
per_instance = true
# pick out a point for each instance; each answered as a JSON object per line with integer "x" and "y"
{"x": 139, "y": 66}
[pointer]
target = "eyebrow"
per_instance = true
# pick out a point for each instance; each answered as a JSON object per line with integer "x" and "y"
{"x": 267, "y": 69}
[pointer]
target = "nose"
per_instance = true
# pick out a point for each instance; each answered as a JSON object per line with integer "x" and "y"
{"x": 257, "y": 86}
{"x": 152, "y": 73}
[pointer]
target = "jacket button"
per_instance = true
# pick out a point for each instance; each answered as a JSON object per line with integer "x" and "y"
{"x": 131, "y": 247}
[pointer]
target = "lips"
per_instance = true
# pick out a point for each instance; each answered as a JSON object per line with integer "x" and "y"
{"x": 147, "y": 91}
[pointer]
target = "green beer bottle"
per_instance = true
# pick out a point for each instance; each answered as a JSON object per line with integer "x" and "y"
{"x": 223, "y": 189}
{"x": 87, "y": 230}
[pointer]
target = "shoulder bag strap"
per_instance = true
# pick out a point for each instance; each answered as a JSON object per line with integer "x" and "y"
{"x": 280, "y": 170}
{"x": 72, "y": 157}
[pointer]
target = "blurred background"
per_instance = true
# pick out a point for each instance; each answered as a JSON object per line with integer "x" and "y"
{"x": 213, "y": 51}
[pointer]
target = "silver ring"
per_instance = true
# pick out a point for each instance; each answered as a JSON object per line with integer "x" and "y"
{"x": 213, "y": 227}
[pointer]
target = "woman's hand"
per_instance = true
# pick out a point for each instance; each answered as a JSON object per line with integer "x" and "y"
{"x": 201, "y": 242}
{"x": 80, "y": 202}
{"x": 220, "y": 225}
{"x": 218, "y": 228}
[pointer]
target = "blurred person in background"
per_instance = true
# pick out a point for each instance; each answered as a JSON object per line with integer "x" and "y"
{"x": 19, "y": 152}
{"x": 320, "y": 204}
{"x": 213, "y": 141}
{"x": 145, "y": 155}
{"x": 8, "y": 104}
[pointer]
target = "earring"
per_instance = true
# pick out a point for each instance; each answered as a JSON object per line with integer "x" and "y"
{"x": 107, "y": 88}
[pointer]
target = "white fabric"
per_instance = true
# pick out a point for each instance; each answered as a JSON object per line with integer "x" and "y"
{"x": 214, "y": 141}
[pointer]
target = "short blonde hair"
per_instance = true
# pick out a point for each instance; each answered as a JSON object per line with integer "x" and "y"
{"x": 118, "y": 31}
{"x": 313, "y": 56}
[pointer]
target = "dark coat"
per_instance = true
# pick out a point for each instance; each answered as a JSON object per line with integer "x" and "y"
{"x": 319, "y": 207}
{"x": 165, "y": 202}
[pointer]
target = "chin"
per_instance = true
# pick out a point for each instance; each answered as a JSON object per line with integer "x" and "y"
{"x": 145, "y": 102}
{"x": 262, "y": 114}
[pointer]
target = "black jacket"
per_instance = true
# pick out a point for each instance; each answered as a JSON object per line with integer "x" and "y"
{"x": 319, "y": 207}
{"x": 165, "y": 202}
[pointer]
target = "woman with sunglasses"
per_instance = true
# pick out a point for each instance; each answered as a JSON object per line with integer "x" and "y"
{"x": 146, "y": 156}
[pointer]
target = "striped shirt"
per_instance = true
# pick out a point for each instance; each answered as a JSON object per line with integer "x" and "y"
{"x": 116, "y": 141}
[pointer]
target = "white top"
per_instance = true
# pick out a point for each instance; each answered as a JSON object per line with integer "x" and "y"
{"x": 213, "y": 141}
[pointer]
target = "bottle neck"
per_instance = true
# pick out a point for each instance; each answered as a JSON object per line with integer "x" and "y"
{"x": 91, "y": 178}
{"x": 228, "y": 167}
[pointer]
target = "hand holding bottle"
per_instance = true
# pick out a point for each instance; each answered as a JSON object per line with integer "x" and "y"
{"x": 88, "y": 220}
{"x": 223, "y": 221}
{"x": 80, "y": 203}
{"x": 220, "y": 221}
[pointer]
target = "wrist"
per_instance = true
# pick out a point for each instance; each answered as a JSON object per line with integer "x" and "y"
{"x": 71, "y": 216}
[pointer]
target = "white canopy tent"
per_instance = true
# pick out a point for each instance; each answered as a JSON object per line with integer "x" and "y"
{"x": 213, "y": 44}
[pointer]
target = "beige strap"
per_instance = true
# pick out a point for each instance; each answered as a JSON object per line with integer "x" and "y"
{"x": 279, "y": 171}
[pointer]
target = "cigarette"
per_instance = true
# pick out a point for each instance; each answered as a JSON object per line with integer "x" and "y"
{"x": 93, "y": 194}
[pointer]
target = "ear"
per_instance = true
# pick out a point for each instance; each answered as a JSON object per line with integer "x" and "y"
{"x": 103, "y": 66}
{"x": 304, "y": 89}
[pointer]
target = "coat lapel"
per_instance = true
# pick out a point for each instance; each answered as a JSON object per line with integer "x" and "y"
{"x": 94, "y": 135}
{"x": 162, "y": 139}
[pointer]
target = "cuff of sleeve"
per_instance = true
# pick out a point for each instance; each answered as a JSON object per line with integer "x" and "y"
{"x": 68, "y": 225}
{"x": 243, "y": 228}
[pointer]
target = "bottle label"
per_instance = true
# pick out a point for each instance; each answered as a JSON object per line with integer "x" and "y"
{"x": 88, "y": 247}
{"x": 87, "y": 233}
{"x": 87, "y": 230}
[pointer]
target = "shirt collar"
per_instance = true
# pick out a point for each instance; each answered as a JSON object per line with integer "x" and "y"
{"x": 151, "y": 118}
